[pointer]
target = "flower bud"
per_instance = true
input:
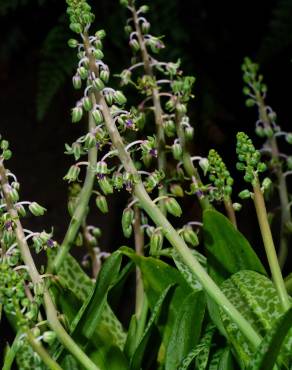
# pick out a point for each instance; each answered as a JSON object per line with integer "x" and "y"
{"x": 236, "y": 206}
{"x": 87, "y": 103}
{"x": 13, "y": 195}
{"x": 20, "y": 210}
{"x": 76, "y": 27}
{"x": 36, "y": 209}
{"x": 176, "y": 190}
{"x": 250, "y": 103}
{"x": 101, "y": 203}
{"x": 72, "y": 43}
{"x": 100, "y": 34}
{"x": 156, "y": 242}
{"x": 127, "y": 218}
{"x": 72, "y": 174}
{"x": 169, "y": 128}
{"x": 134, "y": 44}
{"x": 76, "y": 114}
{"x": 104, "y": 75}
{"x": 144, "y": 9}
{"x": 77, "y": 83}
{"x": 244, "y": 194}
{"x": 101, "y": 168}
{"x": 190, "y": 236}
{"x": 118, "y": 181}
{"x": 109, "y": 98}
{"x": 120, "y": 98}
{"x": 288, "y": 138}
{"x": 97, "y": 116}
{"x": 181, "y": 108}
{"x": 128, "y": 232}
{"x": 7, "y": 154}
{"x": 204, "y": 164}
{"x": 105, "y": 186}
{"x": 4, "y": 144}
{"x": 90, "y": 141}
{"x": 189, "y": 133}
{"x": 267, "y": 183}
{"x": 76, "y": 150}
{"x": 98, "y": 54}
{"x": 98, "y": 84}
{"x": 173, "y": 207}
{"x": 145, "y": 26}
{"x": 83, "y": 72}
{"x": 261, "y": 167}
{"x": 49, "y": 337}
{"x": 176, "y": 151}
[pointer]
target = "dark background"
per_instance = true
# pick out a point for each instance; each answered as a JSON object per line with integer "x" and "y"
{"x": 211, "y": 38}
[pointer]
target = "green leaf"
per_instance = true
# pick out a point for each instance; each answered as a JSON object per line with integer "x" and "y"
{"x": 257, "y": 300}
{"x": 201, "y": 351}
{"x": 157, "y": 276}
{"x": 222, "y": 360}
{"x": 137, "y": 358}
{"x": 270, "y": 347}
{"x": 186, "y": 329}
{"x": 69, "y": 363}
{"x": 228, "y": 250}
{"x": 109, "y": 358}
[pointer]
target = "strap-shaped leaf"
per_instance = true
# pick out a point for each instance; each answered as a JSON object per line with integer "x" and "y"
{"x": 228, "y": 250}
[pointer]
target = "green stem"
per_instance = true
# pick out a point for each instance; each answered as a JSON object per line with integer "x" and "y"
{"x": 230, "y": 211}
{"x": 51, "y": 311}
{"x": 158, "y": 112}
{"x": 288, "y": 283}
{"x": 82, "y": 203}
{"x": 40, "y": 350}
{"x": 270, "y": 247}
{"x": 282, "y": 185}
{"x": 171, "y": 234}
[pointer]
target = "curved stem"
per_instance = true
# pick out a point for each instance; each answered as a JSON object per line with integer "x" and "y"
{"x": 270, "y": 247}
{"x": 51, "y": 311}
{"x": 82, "y": 203}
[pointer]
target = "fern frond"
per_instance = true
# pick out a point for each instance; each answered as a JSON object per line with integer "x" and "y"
{"x": 57, "y": 63}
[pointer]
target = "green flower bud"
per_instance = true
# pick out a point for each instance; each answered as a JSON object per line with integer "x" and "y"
{"x": 72, "y": 43}
{"x": 288, "y": 138}
{"x": 260, "y": 131}
{"x": 244, "y": 194}
{"x": 156, "y": 242}
{"x": 169, "y": 128}
{"x": 176, "y": 151}
{"x": 145, "y": 27}
{"x": 118, "y": 181}
{"x": 105, "y": 186}
{"x": 173, "y": 207}
{"x": 49, "y": 337}
{"x": 134, "y": 44}
{"x": 144, "y": 9}
{"x": 90, "y": 141}
{"x": 87, "y": 103}
{"x": 189, "y": 133}
{"x": 127, "y": 218}
{"x": 76, "y": 150}
{"x": 98, "y": 54}
{"x": 240, "y": 166}
{"x": 72, "y": 174}
{"x": 36, "y": 209}
{"x": 176, "y": 190}
{"x": 77, "y": 82}
{"x": 76, "y": 114}
{"x": 120, "y": 98}
{"x": 20, "y": 210}
{"x": 100, "y": 34}
{"x": 250, "y": 103}
{"x": 109, "y": 98}
{"x": 204, "y": 164}
{"x": 96, "y": 232}
{"x": 101, "y": 203}
{"x": 76, "y": 27}
{"x": 128, "y": 232}
{"x": 190, "y": 236}
{"x": 97, "y": 116}
{"x": 98, "y": 84}
{"x": 267, "y": 183}
{"x": 236, "y": 206}
{"x": 101, "y": 168}
{"x": 83, "y": 72}
{"x": 261, "y": 167}
{"x": 7, "y": 154}
{"x": 4, "y": 145}
{"x": 104, "y": 75}
{"x": 13, "y": 195}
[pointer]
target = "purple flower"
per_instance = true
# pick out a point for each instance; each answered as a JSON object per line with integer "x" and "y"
{"x": 50, "y": 243}
{"x": 153, "y": 152}
{"x": 129, "y": 123}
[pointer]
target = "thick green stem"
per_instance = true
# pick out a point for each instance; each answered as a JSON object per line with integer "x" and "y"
{"x": 40, "y": 350}
{"x": 270, "y": 247}
{"x": 282, "y": 185}
{"x": 82, "y": 203}
{"x": 51, "y": 311}
{"x": 171, "y": 234}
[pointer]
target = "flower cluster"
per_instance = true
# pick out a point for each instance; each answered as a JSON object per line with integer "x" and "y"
{"x": 219, "y": 176}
